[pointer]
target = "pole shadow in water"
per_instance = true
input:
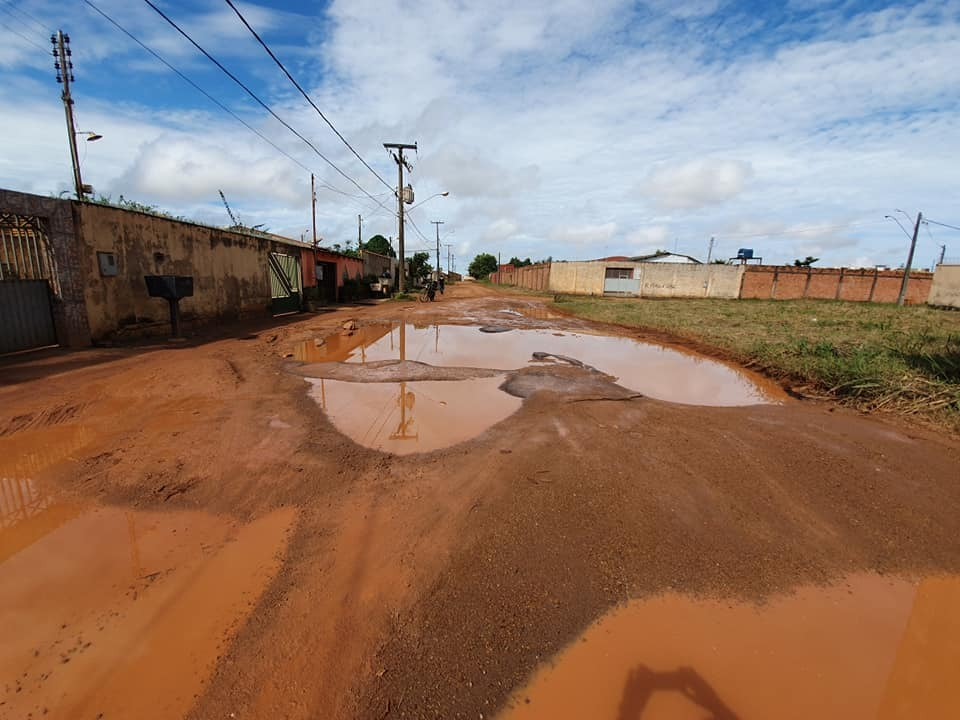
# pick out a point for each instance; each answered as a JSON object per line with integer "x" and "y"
{"x": 642, "y": 683}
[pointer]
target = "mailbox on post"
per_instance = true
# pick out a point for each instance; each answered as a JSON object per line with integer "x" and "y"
{"x": 171, "y": 288}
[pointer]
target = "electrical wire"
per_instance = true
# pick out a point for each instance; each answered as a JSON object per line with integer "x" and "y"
{"x": 261, "y": 102}
{"x": 216, "y": 102}
{"x": 33, "y": 18}
{"x": 305, "y": 95}
{"x": 952, "y": 227}
{"x": 17, "y": 32}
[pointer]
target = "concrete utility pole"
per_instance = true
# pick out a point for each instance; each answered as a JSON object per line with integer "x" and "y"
{"x": 943, "y": 251}
{"x": 359, "y": 231}
{"x": 438, "y": 223}
{"x": 401, "y": 163}
{"x": 906, "y": 270}
{"x": 449, "y": 256}
{"x": 710, "y": 251}
{"x": 313, "y": 212}
{"x": 64, "y": 68}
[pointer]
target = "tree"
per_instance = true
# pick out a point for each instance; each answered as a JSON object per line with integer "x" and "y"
{"x": 806, "y": 262}
{"x": 517, "y": 262}
{"x": 482, "y": 265}
{"x": 419, "y": 266}
{"x": 380, "y": 245}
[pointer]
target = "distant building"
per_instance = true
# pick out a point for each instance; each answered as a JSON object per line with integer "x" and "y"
{"x": 666, "y": 257}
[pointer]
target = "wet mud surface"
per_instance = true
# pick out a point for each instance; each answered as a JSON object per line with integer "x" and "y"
{"x": 188, "y": 532}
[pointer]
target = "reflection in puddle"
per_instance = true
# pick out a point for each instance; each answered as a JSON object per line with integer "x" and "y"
{"x": 341, "y": 345}
{"x": 124, "y": 614}
{"x": 412, "y": 417}
{"x": 867, "y": 648}
{"x": 26, "y": 453}
{"x": 652, "y": 370}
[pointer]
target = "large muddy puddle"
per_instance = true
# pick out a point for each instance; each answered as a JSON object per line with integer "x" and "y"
{"x": 431, "y": 413}
{"x": 869, "y": 647}
{"x": 110, "y": 613}
{"x": 411, "y": 417}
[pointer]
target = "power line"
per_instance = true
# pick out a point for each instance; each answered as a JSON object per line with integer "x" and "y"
{"x": 304, "y": 93}
{"x": 17, "y": 32}
{"x": 214, "y": 100}
{"x": 952, "y": 227}
{"x": 260, "y": 102}
{"x": 33, "y": 18}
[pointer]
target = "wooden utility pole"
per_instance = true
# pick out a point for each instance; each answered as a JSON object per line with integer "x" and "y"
{"x": 438, "y": 223}
{"x": 64, "y": 67}
{"x": 906, "y": 270}
{"x": 401, "y": 163}
{"x": 359, "y": 235}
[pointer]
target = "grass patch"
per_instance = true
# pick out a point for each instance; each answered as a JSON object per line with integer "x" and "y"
{"x": 871, "y": 356}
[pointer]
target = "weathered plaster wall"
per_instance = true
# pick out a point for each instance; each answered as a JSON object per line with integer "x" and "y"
{"x": 578, "y": 278}
{"x": 686, "y": 280}
{"x": 945, "y": 289}
{"x": 229, "y": 269}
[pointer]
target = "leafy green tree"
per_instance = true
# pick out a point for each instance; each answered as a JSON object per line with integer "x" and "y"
{"x": 517, "y": 262}
{"x": 482, "y": 265}
{"x": 806, "y": 262}
{"x": 420, "y": 268}
{"x": 380, "y": 245}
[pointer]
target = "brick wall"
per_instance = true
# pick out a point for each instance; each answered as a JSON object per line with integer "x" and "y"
{"x": 793, "y": 283}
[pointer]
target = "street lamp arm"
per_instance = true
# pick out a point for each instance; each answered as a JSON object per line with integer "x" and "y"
{"x": 905, "y": 231}
{"x": 439, "y": 194}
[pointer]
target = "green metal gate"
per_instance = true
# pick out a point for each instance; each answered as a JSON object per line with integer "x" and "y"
{"x": 284, "y": 283}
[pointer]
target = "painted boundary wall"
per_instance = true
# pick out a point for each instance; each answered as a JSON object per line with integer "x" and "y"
{"x": 530, "y": 277}
{"x": 229, "y": 269}
{"x": 667, "y": 280}
{"x": 945, "y": 289}
{"x": 775, "y": 282}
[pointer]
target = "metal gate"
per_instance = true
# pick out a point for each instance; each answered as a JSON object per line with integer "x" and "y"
{"x": 284, "y": 283}
{"x": 621, "y": 281}
{"x": 28, "y": 278}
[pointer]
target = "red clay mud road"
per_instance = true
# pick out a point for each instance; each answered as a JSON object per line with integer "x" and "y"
{"x": 186, "y": 534}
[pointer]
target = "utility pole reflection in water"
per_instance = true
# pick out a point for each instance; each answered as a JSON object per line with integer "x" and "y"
{"x": 406, "y": 399}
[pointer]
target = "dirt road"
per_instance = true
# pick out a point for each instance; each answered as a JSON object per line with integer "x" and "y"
{"x": 356, "y": 583}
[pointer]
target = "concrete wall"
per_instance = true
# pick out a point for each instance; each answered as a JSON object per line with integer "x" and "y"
{"x": 229, "y": 269}
{"x": 786, "y": 282}
{"x": 676, "y": 280}
{"x": 686, "y": 280}
{"x": 945, "y": 289}
{"x": 578, "y": 278}
{"x": 69, "y": 308}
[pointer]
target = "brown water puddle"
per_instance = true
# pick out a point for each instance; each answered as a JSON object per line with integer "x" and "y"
{"x": 115, "y": 613}
{"x": 652, "y": 370}
{"x": 870, "y": 647}
{"x": 412, "y": 417}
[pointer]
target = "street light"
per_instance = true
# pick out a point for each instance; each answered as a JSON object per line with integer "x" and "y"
{"x": 891, "y": 217}
{"x": 439, "y": 194}
{"x": 91, "y": 136}
{"x": 913, "y": 245}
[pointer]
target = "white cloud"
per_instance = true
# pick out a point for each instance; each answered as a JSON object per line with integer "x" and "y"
{"x": 560, "y": 128}
{"x": 697, "y": 183}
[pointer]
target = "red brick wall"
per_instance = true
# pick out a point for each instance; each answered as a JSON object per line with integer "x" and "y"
{"x": 792, "y": 283}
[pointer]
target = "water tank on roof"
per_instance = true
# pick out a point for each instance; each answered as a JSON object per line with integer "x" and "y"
{"x": 745, "y": 254}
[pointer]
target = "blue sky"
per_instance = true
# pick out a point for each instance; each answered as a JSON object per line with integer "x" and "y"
{"x": 566, "y": 128}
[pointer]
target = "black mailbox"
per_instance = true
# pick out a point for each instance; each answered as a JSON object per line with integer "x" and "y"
{"x": 171, "y": 288}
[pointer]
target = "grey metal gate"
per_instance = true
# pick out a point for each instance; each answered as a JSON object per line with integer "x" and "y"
{"x": 621, "y": 281}
{"x": 28, "y": 278}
